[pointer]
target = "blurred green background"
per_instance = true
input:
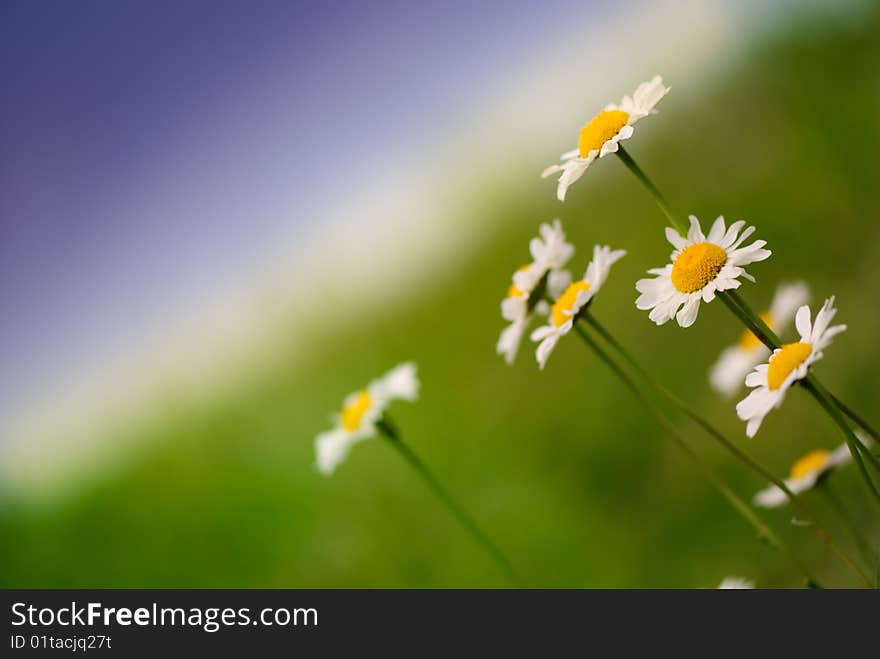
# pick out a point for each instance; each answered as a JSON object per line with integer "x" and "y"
{"x": 563, "y": 468}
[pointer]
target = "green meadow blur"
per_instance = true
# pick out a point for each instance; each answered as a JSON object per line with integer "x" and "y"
{"x": 563, "y": 468}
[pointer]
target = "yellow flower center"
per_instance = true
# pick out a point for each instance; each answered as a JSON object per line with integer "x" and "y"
{"x": 749, "y": 341}
{"x": 696, "y": 266}
{"x": 566, "y": 302}
{"x": 353, "y": 413}
{"x": 812, "y": 461}
{"x": 789, "y": 357}
{"x": 513, "y": 291}
{"x": 601, "y": 128}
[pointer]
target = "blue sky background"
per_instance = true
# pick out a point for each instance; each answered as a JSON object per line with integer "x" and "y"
{"x": 152, "y": 153}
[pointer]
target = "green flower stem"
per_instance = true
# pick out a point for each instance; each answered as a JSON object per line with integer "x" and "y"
{"x": 858, "y": 420}
{"x": 661, "y": 201}
{"x": 722, "y": 440}
{"x": 754, "y": 323}
{"x": 760, "y": 329}
{"x": 840, "y": 508}
{"x": 821, "y": 394}
{"x": 764, "y": 532}
{"x": 390, "y": 432}
{"x": 751, "y": 320}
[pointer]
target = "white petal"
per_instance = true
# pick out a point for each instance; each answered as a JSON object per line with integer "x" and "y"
{"x": 331, "y": 448}
{"x": 736, "y": 583}
{"x": 802, "y": 323}
{"x": 513, "y": 308}
{"x": 708, "y": 292}
{"x": 610, "y": 146}
{"x": 841, "y": 455}
{"x": 573, "y": 170}
{"x": 786, "y": 300}
{"x": 772, "y": 497}
{"x": 732, "y": 232}
{"x": 745, "y": 234}
{"x": 716, "y": 233}
{"x": 508, "y": 342}
{"x": 542, "y": 332}
{"x": 545, "y": 348}
{"x": 557, "y": 282}
{"x": 756, "y": 379}
{"x": 675, "y": 238}
{"x": 648, "y": 94}
{"x": 695, "y": 233}
{"x": 732, "y": 368}
{"x": 401, "y": 382}
{"x": 688, "y": 313}
{"x": 823, "y": 319}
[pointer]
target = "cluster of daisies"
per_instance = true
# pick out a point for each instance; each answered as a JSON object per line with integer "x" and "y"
{"x": 700, "y": 266}
{"x": 544, "y": 288}
{"x": 544, "y": 293}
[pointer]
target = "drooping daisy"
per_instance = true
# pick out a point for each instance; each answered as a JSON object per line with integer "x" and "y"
{"x": 550, "y": 252}
{"x": 808, "y": 472}
{"x": 602, "y": 133}
{"x": 360, "y": 412}
{"x": 736, "y": 583}
{"x": 787, "y": 365}
{"x": 736, "y": 361}
{"x": 573, "y": 299}
{"x": 701, "y": 265}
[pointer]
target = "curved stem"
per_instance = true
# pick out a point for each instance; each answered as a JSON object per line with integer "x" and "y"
{"x": 393, "y": 436}
{"x": 767, "y": 336}
{"x": 759, "y": 328}
{"x": 764, "y": 531}
{"x": 764, "y": 334}
{"x": 820, "y": 394}
{"x": 858, "y": 420}
{"x": 661, "y": 201}
{"x": 725, "y": 443}
{"x": 751, "y": 320}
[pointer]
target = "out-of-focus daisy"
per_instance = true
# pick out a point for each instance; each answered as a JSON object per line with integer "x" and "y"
{"x": 787, "y": 365}
{"x": 808, "y": 472}
{"x": 550, "y": 252}
{"x": 736, "y": 361}
{"x": 360, "y": 412}
{"x": 575, "y": 297}
{"x": 701, "y": 265}
{"x": 603, "y": 132}
{"x": 736, "y": 583}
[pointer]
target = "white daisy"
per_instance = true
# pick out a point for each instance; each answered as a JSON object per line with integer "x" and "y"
{"x": 700, "y": 266}
{"x": 736, "y": 361}
{"x": 787, "y": 365}
{"x": 360, "y": 412}
{"x": 575, "y": 297}
{"x": 601, "y": 135}
{"x": 736, "y": 583}
{"x": 807, "y": 472}
{"x": 550, "y": 252}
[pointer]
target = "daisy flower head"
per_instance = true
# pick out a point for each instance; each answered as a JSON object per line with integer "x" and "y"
{"x": 736, "y": 583}
{"x": 807, "y": 472}
{"x": 700, "y": 266}
{"x": 770, "y": 381}
{"x": 572, "y": 300}
{"x": 600, "y": 136}
{"x": 735, "y": 362}
{"x": 550, "y": 252}
{"x": 361, "y": 410}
